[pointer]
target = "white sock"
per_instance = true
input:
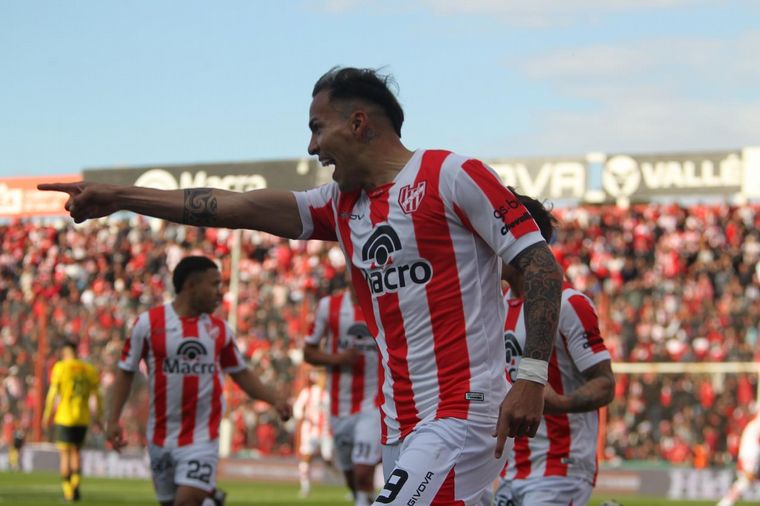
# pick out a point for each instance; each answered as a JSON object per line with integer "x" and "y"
{"x": 303, "y": 475}
{"x": 362, "y": 498}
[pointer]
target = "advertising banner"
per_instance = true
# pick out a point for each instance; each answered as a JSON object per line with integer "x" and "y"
{"x": 600, "y": 177}
{"x": 542, "y": 178}
{"x": 284, "y": 174}
{"x": 669, "y": 483}
{"x": 751, "y": 186}
{"x": 642, "y": 177}
{"x": 19, "y": 197}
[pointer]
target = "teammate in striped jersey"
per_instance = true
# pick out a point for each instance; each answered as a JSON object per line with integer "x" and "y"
{"x": 350, "y": 355}
{"x": 425, "y": 233}
{"x": 311, "y": 411}
{"x": 186, "y": 349}
{"x": 748, "y": 463}
{"x": 559, "y": 465}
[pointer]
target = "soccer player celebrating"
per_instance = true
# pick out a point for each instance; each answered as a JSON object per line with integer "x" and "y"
{"x": 559, "y": 465}
{"x": 186, "y": 350}
{"x": 311, "y": 411}
{"x": 748, "y": 463}
{"x": 74, "y": 381}
{"x": 351, "y": 358}
{"x": 424, "y": 233}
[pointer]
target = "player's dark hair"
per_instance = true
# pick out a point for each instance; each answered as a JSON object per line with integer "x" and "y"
{"x": 72, "y": 345}
{"x": 187, "y": 266}
{"x": 541, "y": 215}
{"x": 346, "y": 83}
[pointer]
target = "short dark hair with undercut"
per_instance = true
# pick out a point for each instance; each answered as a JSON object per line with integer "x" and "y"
{"x": 346, "y": 83}
{"x": 541, "y": 215}
{"x": 187, "y": 266}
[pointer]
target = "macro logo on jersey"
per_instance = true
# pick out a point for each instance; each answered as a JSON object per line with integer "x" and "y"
{"x": 188, "y": 359}
{"x": 362, "y": 338}
{"x": 384, "y": 276}
{"x": 409, "y": 197}
{"x": 514, "y": 352}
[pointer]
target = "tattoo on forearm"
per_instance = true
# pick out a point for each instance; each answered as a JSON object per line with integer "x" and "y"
{"x": 598, "y": 391}
{"x": 593, "y": 395}
{"x": 200, "y": 207}
{"x": 582, "y": 401}
{"x": 542, "y": 280}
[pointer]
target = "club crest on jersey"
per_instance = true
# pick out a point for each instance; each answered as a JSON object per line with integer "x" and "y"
{"x": 385, "y": 275}
{"x": 188, "y": 359}
{"x": 410, "y": 197}
{"x": 212, "y": 330}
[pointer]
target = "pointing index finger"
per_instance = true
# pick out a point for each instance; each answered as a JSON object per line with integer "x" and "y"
{"x": 57, "y": 187}
{"x": 502, "y": 429}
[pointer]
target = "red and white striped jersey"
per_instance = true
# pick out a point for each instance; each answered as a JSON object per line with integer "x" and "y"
{"x": 311, "y": 408}
{"x": 749, "y": 448}
{"x": 564, "y": 445}
{"x": 425, "y": 253}
{"x": 353, "y": 388}
{"x": 185, "y": 358}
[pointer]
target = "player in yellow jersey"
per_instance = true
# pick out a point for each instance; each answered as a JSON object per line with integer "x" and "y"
{"x": 74, "y": 382}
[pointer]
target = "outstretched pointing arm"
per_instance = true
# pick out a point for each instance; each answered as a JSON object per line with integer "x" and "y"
{"x": 272, "y": 211}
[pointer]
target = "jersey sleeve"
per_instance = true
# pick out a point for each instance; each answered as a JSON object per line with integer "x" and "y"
{"x": 55, "y": 382}
{"x": 486, "y": 206}
{"x": 55, "y": 374}
{"x": 317, "y": 209}
{"x": 579, "y": 324}
{"x": 135, "y": 344}
{"x": 94, "y": 376}
{"x": 230, "y": 358}
{"x": 319, "y": 327}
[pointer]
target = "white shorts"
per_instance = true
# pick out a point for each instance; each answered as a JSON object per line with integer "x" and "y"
{"x": 192, "y": 466}
{"x": 311, "y": 444}
{"x": 357, "y": 439}
{"x": 441, "y": 462}
{"x": 544, "y": 491}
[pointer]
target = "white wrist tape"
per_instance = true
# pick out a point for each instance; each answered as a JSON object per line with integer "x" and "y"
{"x": 533, "y": 370}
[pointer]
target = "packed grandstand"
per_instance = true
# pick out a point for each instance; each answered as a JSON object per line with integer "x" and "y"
{"x": 673, "y": 282}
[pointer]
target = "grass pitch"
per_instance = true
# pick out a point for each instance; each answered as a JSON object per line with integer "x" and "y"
{"x": 44, "y": 489}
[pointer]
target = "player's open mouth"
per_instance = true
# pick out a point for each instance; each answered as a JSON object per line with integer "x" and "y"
{"x": 326, "y": 162}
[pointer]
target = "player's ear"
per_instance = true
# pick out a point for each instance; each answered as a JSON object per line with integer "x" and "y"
{"x": 359, "y": 123}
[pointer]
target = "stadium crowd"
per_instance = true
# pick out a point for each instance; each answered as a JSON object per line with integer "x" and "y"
{"x": 672, "y": 284}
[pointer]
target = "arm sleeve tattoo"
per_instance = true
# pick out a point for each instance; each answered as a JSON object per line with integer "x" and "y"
{"x": 542, "y": 280}
{"x": 598, "y": 391}
{"x": 200, "y": 207}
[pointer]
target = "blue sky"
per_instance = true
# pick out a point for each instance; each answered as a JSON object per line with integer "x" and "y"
{"x": 100, "y": 83}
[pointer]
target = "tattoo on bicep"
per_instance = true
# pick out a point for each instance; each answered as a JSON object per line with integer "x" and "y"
{"x": 601, "y": 370}
{"x": 200, "y": 207}
{"x": 542, "y": 281}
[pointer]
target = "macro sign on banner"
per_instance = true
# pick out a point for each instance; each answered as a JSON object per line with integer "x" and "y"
{"x": 243, "y": 176}
{"x": 19, "y": 197}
